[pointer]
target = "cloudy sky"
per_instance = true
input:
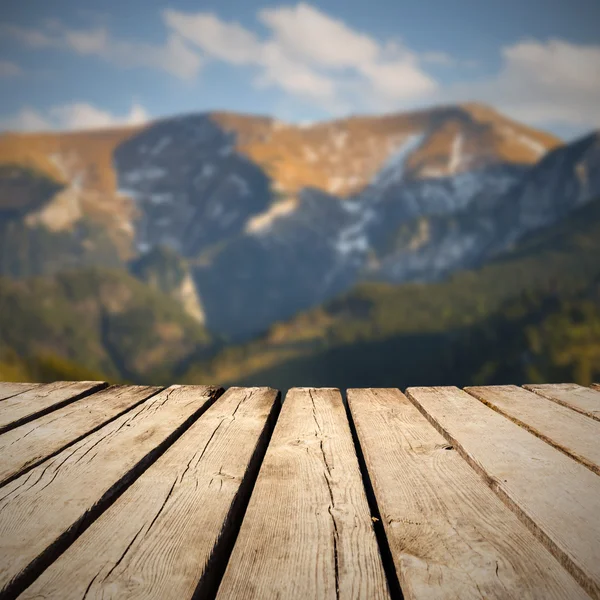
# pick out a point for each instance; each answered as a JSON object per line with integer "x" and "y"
{"x": 126, "y": 61}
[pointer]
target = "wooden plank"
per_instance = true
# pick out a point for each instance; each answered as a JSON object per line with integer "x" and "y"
{"x": 42, "y": 511}
{"x": 571, "y": 432}
{"x": 9, "y": 388}
{"x": 41, "y": 400}
{"x": 450, "y": 536}
{"x": 26, "y": 446}
{"x": 307, "y": 532}
{"x": 166, "y": 536}
{"x": 576, "y": 397}
{"x": 556, "y": 497}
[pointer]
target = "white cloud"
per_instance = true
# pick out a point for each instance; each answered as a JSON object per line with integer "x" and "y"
{"x": 27, "y": 119}
{"x": 229, "y": 42}
{"x": 310, "y": 35}
{"x": 305, "y": 52}
{"x": 30, "y": 37}
{"x": 174, "y": 56}
{"x": 311, "y": 55}
{"x": 553, "y": 82}
{"x": 294, "y": 77}
{"x": 315, "y": 58}
{"x": 9, "y": 69}
{"x": 74, "y": 116}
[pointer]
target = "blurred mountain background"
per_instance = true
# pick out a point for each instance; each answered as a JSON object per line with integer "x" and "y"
{"x": 449, "y": 244}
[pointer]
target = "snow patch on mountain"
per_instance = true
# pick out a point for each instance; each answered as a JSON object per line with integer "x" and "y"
{"x": 309, "y": 154}
{"x": 393, "y": 169}
{"x": 335, "y": 184}
{"x": 339, "y": 139}
{"x": 455, "y": 159}
{"x": 161, "y": 145}
{"x": 143, "y": 174}
{"x": 262, "y": 222}
{"x": 241, "y": 184}
{"x": 536, "y": 147}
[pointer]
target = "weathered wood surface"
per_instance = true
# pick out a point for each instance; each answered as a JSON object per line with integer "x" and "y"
{"x": 44, "y": 509}
{"x": 8, "y": 389}
{"x": 582, "y": 399}
{"x": 165, "y": 537}
{"x": 307, "y": 532}
{"x": 573, "y": 433}
{"x": 38, "y": 401}
{"x": 450, "y": 536}
{"x": 595, "y": 386}
{"x": 556, "y": 497}
{"x": 25, "y": 446}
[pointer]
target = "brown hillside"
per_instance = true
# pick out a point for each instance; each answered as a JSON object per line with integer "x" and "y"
{"x": 342, "y": 156}
{"x": 83, "y": 162}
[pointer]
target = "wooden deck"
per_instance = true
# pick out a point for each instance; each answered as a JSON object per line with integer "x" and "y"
{"x": 196, "y": 492}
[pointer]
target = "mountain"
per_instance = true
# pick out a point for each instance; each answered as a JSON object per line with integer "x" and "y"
{"x": 267, "y": 219}
{"x": 530, "y": 314}
{"x": 166, "y": 271}
{"x": 432, "y": 246}
{"x": 96, "y": 320}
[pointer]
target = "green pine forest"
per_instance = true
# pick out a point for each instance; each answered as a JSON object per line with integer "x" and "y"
{"x": 532, "y": 315}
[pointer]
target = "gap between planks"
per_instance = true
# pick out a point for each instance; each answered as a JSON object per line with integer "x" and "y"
{"x": 576, "y": 397}
{"x": 170, "y": 534}
{"x": 24, "y": 447}
{"x": 9, "y": 389}
{"x": 34, "y": 403}
{"x": 450, "y": 535}
{"x": 569, "y": 431}
{"x": 557, "y": 498}
{"x": 307, "y": 532}
{"x": 90, "y": 474}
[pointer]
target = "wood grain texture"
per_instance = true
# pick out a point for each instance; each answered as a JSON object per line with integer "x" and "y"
{"x": 556, "y": 497}
{"x": 166, "y": 533}
{"x": 571, "y": 432}
{"x": 576, "y": 397}
{"x": 40, "y": 400}
{"x": 449, "y": 534}
{"x": 8, "y": 388}
{"x": 26, "y": 446}
{"x": 307, "y": 532}
{"x": 42, "y": 511}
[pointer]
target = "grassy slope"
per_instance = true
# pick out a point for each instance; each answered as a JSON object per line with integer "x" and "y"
{"x": 94, "y": 320}
{"x": 406, "y": 335}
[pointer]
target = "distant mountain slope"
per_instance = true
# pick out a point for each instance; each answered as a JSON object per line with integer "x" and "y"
{"x": 397, "y": 229}
{"x": 436, "y": 244}
{"x": 271, "y": 218}
{"x": 338, "y": 157}
{"x": 382, "y": 334}
{"x": 342, "y": 157}
{"x": 99, "y": 320}
{"x": 82, "y": 163}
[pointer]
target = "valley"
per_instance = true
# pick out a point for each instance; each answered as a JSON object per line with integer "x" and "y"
{"x": 247, "y": 249}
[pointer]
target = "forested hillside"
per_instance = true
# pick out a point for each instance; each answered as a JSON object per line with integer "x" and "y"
{"x": 531, "y": 315}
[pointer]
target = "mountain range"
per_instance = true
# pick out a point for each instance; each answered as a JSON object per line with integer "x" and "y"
{"x": 242, "y": 223}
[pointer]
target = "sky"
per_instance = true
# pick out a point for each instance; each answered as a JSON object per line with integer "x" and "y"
{"x": 128, "y": 61}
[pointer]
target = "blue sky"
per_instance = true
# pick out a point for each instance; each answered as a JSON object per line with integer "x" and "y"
{"x": 65, "y": 67}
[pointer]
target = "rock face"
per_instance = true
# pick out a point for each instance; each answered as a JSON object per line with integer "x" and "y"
{"x": 190, "y": 187}
{"x": 271, "y": 219}
{"x": 429, "y": 248}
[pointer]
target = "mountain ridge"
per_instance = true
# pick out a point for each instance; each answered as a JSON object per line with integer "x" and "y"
{"x": 261, "y": 210}
{"x": 363, "y": 331}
